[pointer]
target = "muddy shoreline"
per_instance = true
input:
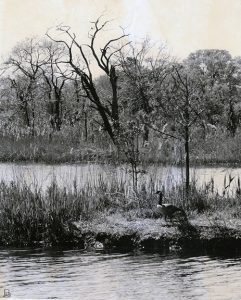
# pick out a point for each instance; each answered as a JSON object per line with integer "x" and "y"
{"x": 150, "y": 235}
{"x": 200, "y": 239}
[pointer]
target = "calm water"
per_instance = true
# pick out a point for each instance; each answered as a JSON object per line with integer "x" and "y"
{"x": 42, "y": 175}
{"x": 76, "y": 275}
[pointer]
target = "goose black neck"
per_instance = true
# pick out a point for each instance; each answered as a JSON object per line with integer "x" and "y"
{"x": 160, "y": 199}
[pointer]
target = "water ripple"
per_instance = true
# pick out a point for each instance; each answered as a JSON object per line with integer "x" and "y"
{"x": 78, "y": 275}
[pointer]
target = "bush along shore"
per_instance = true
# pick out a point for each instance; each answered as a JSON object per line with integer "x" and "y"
{"x": 109, "y": 218}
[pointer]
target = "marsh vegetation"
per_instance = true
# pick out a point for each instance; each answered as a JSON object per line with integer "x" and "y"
{"x": 63, "y": 100}
{"x": 80, "y": 215}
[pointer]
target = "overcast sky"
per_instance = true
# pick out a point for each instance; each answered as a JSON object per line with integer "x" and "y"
{"x": 185, "y": 25}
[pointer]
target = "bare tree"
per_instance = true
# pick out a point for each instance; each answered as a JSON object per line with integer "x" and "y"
{"x": 186, "y": 107}
{"x": 179, "y": 108}
{"x": 106, "y": 60}
{"x": 21, "y": 89}
{"x": 25, "y": 61}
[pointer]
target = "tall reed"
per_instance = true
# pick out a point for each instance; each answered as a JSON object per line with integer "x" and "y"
{"x": 30, "y": 216}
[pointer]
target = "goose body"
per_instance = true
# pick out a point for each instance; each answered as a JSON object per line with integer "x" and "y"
{"x": 168, "y": 210}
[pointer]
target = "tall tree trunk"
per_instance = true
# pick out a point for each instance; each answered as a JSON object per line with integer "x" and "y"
{"x": 145, "y": 135}
{"x": 232, "y": 119}
{"x": 115, "y": 108}
{"x": 54, "y": 108}
{"x": 86, "y": 126}
{"x": 93, "y": 96}
{"x": 187, "y": 136}
{"x": 24, "y": 108}
{"x": 57, "y": 111}
{"x": 33, "y": 121}
{"x": 187, "y": 161}
{"x": 147, "y": 109}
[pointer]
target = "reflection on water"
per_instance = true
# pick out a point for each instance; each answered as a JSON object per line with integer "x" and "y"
{"x": 76, "y": 275}
{"x": 42, "y": 175}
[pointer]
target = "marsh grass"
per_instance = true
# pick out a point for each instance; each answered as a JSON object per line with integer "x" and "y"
{"x": 30, "y": 216}
{"x": 68, "y": 145}
{"x": 58, "y": 148}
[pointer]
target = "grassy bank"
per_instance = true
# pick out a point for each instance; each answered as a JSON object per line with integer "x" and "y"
{"x": 58, "y": 149}
{"x": 68, "y": 146}
{"x": 114, "y": 217}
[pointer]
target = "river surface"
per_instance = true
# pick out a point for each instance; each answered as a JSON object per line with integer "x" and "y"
{"x": 41, "y": 175}
{"x": 77, "y": 275}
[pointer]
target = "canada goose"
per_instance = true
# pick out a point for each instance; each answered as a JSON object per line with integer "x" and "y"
{"x": 169, "y": 210}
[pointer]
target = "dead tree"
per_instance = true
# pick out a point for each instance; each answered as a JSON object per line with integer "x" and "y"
{"x": 105, "y": 60}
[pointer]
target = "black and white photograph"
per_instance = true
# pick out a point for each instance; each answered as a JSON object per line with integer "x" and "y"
{"x": 120, "y": 149}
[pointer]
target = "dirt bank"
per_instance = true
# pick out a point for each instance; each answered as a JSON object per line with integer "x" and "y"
{"x": 155, "y": 235}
